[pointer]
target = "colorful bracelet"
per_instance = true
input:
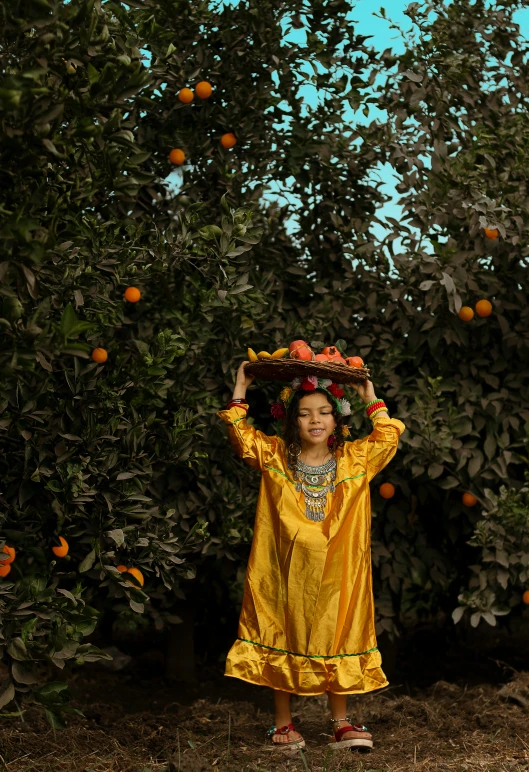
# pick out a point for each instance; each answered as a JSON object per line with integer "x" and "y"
{"x": 377, "y": 412}
{"x": 372, "y": 402}
{"x": 371, "y": 409}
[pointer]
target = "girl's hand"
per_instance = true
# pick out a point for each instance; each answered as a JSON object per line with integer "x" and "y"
{"x": 365, "y": 390}
{"x": 242, "y": 382}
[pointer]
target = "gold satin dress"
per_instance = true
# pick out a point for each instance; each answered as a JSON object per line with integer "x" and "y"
{"x": 307, "y": 623}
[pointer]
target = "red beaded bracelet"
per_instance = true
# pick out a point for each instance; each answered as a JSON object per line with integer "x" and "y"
{"x": 236, "y": 404}
{"x": 376, "y": 406}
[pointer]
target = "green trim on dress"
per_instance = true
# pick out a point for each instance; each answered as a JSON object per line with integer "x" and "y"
{"x": 309, "y": 656}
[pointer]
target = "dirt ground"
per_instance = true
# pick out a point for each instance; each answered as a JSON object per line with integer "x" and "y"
{"x": 137, "y": 722}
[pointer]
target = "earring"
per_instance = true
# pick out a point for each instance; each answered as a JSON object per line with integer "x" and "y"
{"x": 330, "y": 441}
{"x": 294, "y": 449}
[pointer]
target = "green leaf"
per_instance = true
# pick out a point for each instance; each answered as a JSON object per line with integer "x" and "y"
{"x": 87, "y": 562}
{"x": 68, "y": 320}
{"x": 17, "y": 650}
{"x": 209, "y": 232}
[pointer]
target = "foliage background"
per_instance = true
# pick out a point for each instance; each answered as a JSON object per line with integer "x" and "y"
{"x": 271, "y": 241}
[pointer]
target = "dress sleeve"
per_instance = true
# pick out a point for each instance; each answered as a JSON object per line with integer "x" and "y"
{"x": 253, "y": 446}
{"x": 378, "y": 448}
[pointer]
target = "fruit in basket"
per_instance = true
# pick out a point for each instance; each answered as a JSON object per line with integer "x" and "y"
{"x": 332, "y": 352}
{"x": 299, "y": 349}
{"x": 280, "y": 353}
{"x": 354, "y": 361}
{"x": 264, "y": 355}
{"x": 252, "y": 356}
{"x": 321, "y": 358}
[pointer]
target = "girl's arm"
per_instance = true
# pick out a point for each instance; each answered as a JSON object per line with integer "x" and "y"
{"x": 379, "y": 447}
{"x": 242, "y": 382}
{"x": 253, "y": 446}
{"x": 366, "y": 392}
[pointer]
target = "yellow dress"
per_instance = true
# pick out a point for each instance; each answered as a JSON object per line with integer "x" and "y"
{"x": 307, "y": 621}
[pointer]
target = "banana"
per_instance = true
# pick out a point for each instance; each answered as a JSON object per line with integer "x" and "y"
{"x": 264, "y": 355}
{"x": 280, "y": 353}
{"x": 252, "y": 356}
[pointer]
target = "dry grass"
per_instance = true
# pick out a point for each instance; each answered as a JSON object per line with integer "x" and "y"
{"x": 137, "y": 726}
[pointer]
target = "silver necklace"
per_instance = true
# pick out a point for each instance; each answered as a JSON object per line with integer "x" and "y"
{"x": 315, "y": 482}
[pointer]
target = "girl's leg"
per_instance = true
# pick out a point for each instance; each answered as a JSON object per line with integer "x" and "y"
{"x": 338, "y": 708}
{"x": 283, "y": 717}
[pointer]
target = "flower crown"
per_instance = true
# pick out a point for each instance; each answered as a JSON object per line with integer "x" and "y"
{"x": 311, "y": 383}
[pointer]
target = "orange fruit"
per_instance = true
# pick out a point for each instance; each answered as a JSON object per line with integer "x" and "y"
{"x": 525, "y": 597}
{"x": 301, "y": 350}
{"x": 355, "y": 361}
{"x": 331, "y": 351}
{"x": 61, "y": 551}
{"x": 469, "y": 500}
{"x": 100, "y": 355}
{"x": 186, "y": 96}
{"x": 387, "y": 490}
{"x": 203, "y": 90}
{"x": 296, "y": 344}
{"x": 483, "y": 308}
{"x": 137, "y": 574}
{"x": 177, "y": 156}
{"x": 4, "y": 570}
{"x": 228, "y": 140}
{"x": 491, "y": 233}
{"x": 132, "y": 294}
{"x": 7, "y": 551}
{"x": 121, "y": 569}
{"x": 466, "y": 313}
{"x": 321, "y": 358}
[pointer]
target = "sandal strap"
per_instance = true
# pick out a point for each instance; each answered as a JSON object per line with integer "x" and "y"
{"x": 356, "y": 728}
{"x": 282, "y": 730}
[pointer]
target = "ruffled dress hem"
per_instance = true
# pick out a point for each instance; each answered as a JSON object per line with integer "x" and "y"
{"x": 305, "y": 675}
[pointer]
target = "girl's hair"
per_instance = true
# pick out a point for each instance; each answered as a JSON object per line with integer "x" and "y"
{"x": 291, "y": 430}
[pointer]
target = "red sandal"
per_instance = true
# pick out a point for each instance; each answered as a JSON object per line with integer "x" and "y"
{"x": 285, "y": 730}
{"x": 362, "y": 744}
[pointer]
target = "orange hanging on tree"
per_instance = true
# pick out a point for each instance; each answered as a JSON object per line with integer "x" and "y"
{"x": 203, "y": 90}
{"x": 469, "y": 500}
{"x": 4, "y": 570}
{"x": 525, "y": 597}
{"x": 177, "y": 156}
{"x": 387, "y": 490}
{"x": 121, "y": 569}
{"x": 10, "y": 552}
{"x": 186, "y": 96}
{"x": 137, "y": 574}
{"x": 491, "y": 233}
{"x": 61, "y": 551}
{"x": 228, "y": 140}
{"x": 483, "y": 308}
{"x": 132, "y": 294}
{"x": 466, "y": 313}
{"x": 100, "y": 355}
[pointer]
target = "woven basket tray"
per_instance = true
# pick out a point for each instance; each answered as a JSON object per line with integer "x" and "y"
{"x": 288, "y": 369}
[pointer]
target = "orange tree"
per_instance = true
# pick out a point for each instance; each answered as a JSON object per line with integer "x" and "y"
{"x": 110, "y": 445}
{"x": 269, "y": 240}
{"x": 92, "y": 411}
{"x": 455, "y": 139}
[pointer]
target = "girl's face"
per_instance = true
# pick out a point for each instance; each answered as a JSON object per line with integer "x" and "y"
{"x": 315, "y": 420}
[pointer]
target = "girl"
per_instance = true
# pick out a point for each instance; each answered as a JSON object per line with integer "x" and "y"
{"x": 307, "y": 620}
